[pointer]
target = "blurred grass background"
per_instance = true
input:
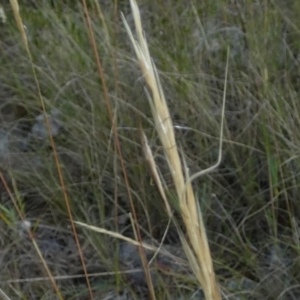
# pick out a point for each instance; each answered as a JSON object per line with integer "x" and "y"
{"x": 250, "y": 204}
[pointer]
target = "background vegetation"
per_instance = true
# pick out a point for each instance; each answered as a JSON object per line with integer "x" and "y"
{"x": 250, "y": 204}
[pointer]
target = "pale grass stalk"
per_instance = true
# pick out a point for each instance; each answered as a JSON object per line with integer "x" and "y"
{"x": 4, "y": 296}
{"x": 118, "y": 146}
{"x": 18, "y": 18}
{"x": 102, "y": 18}
{"x": 201, "y": 27}
{"x": 3, "y": 17}
{"x": 157, "y": 179}
{"x": 197, "y": 248}
{"x": 115, "y": 235}
{"x": 35, "y": 245}
{"x": 68, "y": 277}
{"x": 161, "y": 242}
{"x": 128, "y": 240}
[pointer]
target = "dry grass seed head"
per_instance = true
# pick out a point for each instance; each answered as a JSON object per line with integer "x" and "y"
{"x": 199, "y": 252}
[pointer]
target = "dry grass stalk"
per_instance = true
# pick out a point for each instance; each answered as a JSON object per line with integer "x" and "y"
{"x": 18, "y": 18}
{"x": 155, "y": 175}
{"x": 199, "y": 252}
{"x": 5, "y": 297}
{"x": 59, "y": 295}
{"x": 119, "y": 236}
{"x": 117, "y": 146}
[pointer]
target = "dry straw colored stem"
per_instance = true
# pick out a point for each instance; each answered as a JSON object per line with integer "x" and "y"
{"x": 118, "y": 147}
{"x": 197, "y": 248}
{"x": 16, "y": 11}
